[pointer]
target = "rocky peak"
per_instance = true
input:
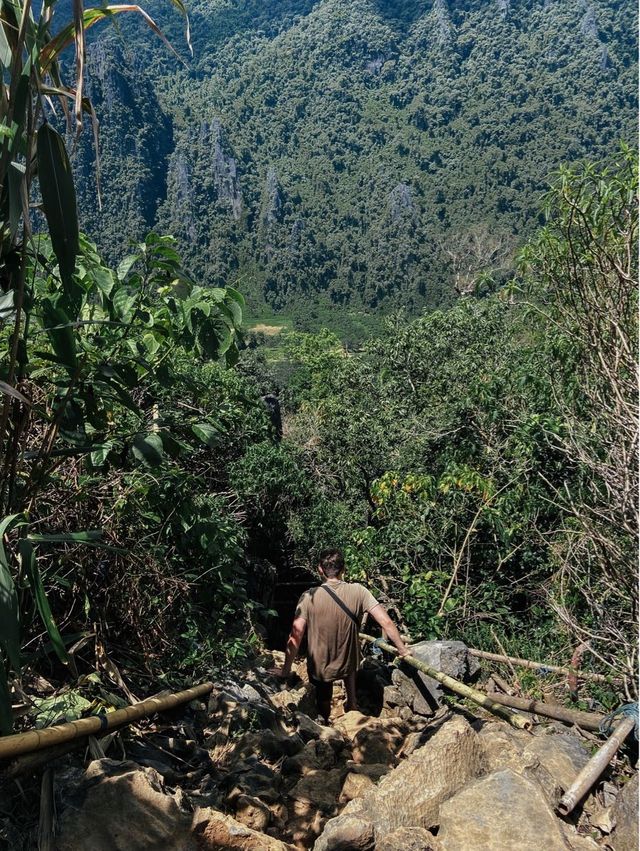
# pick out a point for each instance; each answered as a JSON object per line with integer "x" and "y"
{"x": 401, "y": 204}
{"x": 224, "y": 168}
{"x": 272, "y": 204}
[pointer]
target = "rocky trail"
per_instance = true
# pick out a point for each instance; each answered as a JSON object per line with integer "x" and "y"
{"x": 250, "y": 769}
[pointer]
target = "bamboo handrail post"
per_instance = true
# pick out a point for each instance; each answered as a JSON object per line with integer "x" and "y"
{"x": 518, "y": 721}
{"x": 586, "y": 720}
{"x": 556, "y": 669}
{"x": 33, "y": 740}
{"x": 594, "y": 768}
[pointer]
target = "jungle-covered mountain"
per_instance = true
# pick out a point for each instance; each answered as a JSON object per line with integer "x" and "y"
{"x": 369, "y": 153}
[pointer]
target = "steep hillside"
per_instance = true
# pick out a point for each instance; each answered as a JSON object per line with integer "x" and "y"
{"x": 373, "y": 153}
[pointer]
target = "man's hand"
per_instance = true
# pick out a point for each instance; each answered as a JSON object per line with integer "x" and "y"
{"x": 277, "y": 672}
{"x": 281, "y": 674}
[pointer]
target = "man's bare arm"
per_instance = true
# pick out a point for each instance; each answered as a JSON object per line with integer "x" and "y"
{"x": 298, "y": 629}
{"x": 381, "y": 616}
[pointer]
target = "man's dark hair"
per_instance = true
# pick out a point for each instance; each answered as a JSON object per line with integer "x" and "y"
{"x": 332, "y": 563}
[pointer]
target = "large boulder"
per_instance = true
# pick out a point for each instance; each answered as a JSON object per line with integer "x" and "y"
{"x": 215, "y": 831}
{"x": 503, "y": 811}
{"x": 424, "y": 694}
{"x": 350, "y": 834}
{"x": 118, "y": 806}
{"x": 409, "y": 839}
{"x": 560, "y": 758}
{"x": 413, "y": 792}
{"x": 625, "y": 817}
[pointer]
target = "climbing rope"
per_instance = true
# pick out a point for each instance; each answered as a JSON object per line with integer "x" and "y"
{"x": 375, "y": 647}
{"x": 630, "y": 709}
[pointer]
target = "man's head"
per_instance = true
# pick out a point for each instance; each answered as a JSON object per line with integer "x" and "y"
{"x": 331, "y": 564}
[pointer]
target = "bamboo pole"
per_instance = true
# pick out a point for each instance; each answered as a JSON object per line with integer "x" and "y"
{"x": 525, "y": 663}
{"x": 586, "y": 720}
{"x": 594, "y": 768}
{"x": 33, "y": 740}
{"x": 457, "y": 687}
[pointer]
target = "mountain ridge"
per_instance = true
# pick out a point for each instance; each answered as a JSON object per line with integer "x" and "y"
{"x": 383, "y": 132}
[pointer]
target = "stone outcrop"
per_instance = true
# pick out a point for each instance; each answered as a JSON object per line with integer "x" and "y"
{"x": 254, "y": 776}
{"x": 501, "y": 812}
{"x": 625, "y": 818}
{"x": 409, "y": 839}
{"x": 413, "y": 792}
{"x": 423, "y": 694}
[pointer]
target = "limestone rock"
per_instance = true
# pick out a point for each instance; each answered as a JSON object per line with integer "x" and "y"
{"x": 355, "y": 786}
{"x": 503, "y": 747}
{"x": 316, "y": 755}
{"x": 502, "y": 811}
{"x": 274, "y": 745}
{"x": 318, "y": 788}
{"x": 214, "y": 831}
{"x": 561, "y": 754}
{"x": 309, "y": 729}
{"x": 625, "y": 814}
{"x": 370, "y": 746}
{"x": 424, "y": 694}
{"x": 252, "y": 778}
{"x": 409, "y": 839}
{"x": 351, "y": 723}
{"x": 252, "y": 812}
{"x": 116, "y": 806}
{"x": 374, "y": 740}
{"x": 352, "y": 834}
{"x": 413, "y": 792}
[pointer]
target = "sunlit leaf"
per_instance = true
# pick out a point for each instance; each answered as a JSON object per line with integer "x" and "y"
{"x": 207, "y": 433}
{"x": 148, "y": 449}
{"x": 58, "y": 200}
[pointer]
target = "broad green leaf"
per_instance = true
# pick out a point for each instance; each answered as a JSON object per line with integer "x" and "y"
{"x": 172, "y": 446}
{"x": 9, "y": 609}
{"x": 151, "y": 342}
{"x": 235, "y": 295}
{"x": 90, "y": 536}
{"x": 207, "y": 433}
{"x": 5, "y": 49}
{"x": 104, "y": 279}
{"x": 125, "y": 266}
{"x": 123, "y": 303}
{"x": 15, "y": 176}
{"x": 8, "y": 390}
{"x": 100, "y": 453}
{"x": 60, "y": 707}
{"x": 28, "y": 559}
{"x": 148, "y": 448}
{"x": 58, "y": 200}
{"x": 60, "y": 333}
{"x": 7, "y": 306}
{"x": 236, "y": 311}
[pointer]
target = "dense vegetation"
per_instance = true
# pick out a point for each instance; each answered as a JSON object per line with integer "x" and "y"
{"x": 485, "y": 457}
{"x": 478, "y": 463}
{"x": 362, "y": 155}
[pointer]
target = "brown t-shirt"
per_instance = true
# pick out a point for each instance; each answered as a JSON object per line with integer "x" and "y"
{"x": 332, "y": 636}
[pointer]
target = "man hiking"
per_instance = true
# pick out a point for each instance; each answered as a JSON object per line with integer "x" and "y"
{"x": 331, "y": 615}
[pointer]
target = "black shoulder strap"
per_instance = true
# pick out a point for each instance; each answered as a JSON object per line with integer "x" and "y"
{"x": 342, "y": 605}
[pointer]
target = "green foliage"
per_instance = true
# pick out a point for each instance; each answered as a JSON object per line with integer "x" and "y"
{"x": 488, "y": 477}
{"x": 339, "y": 159}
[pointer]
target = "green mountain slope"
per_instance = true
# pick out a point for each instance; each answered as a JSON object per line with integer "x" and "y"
{"x": 370, "y": 153}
